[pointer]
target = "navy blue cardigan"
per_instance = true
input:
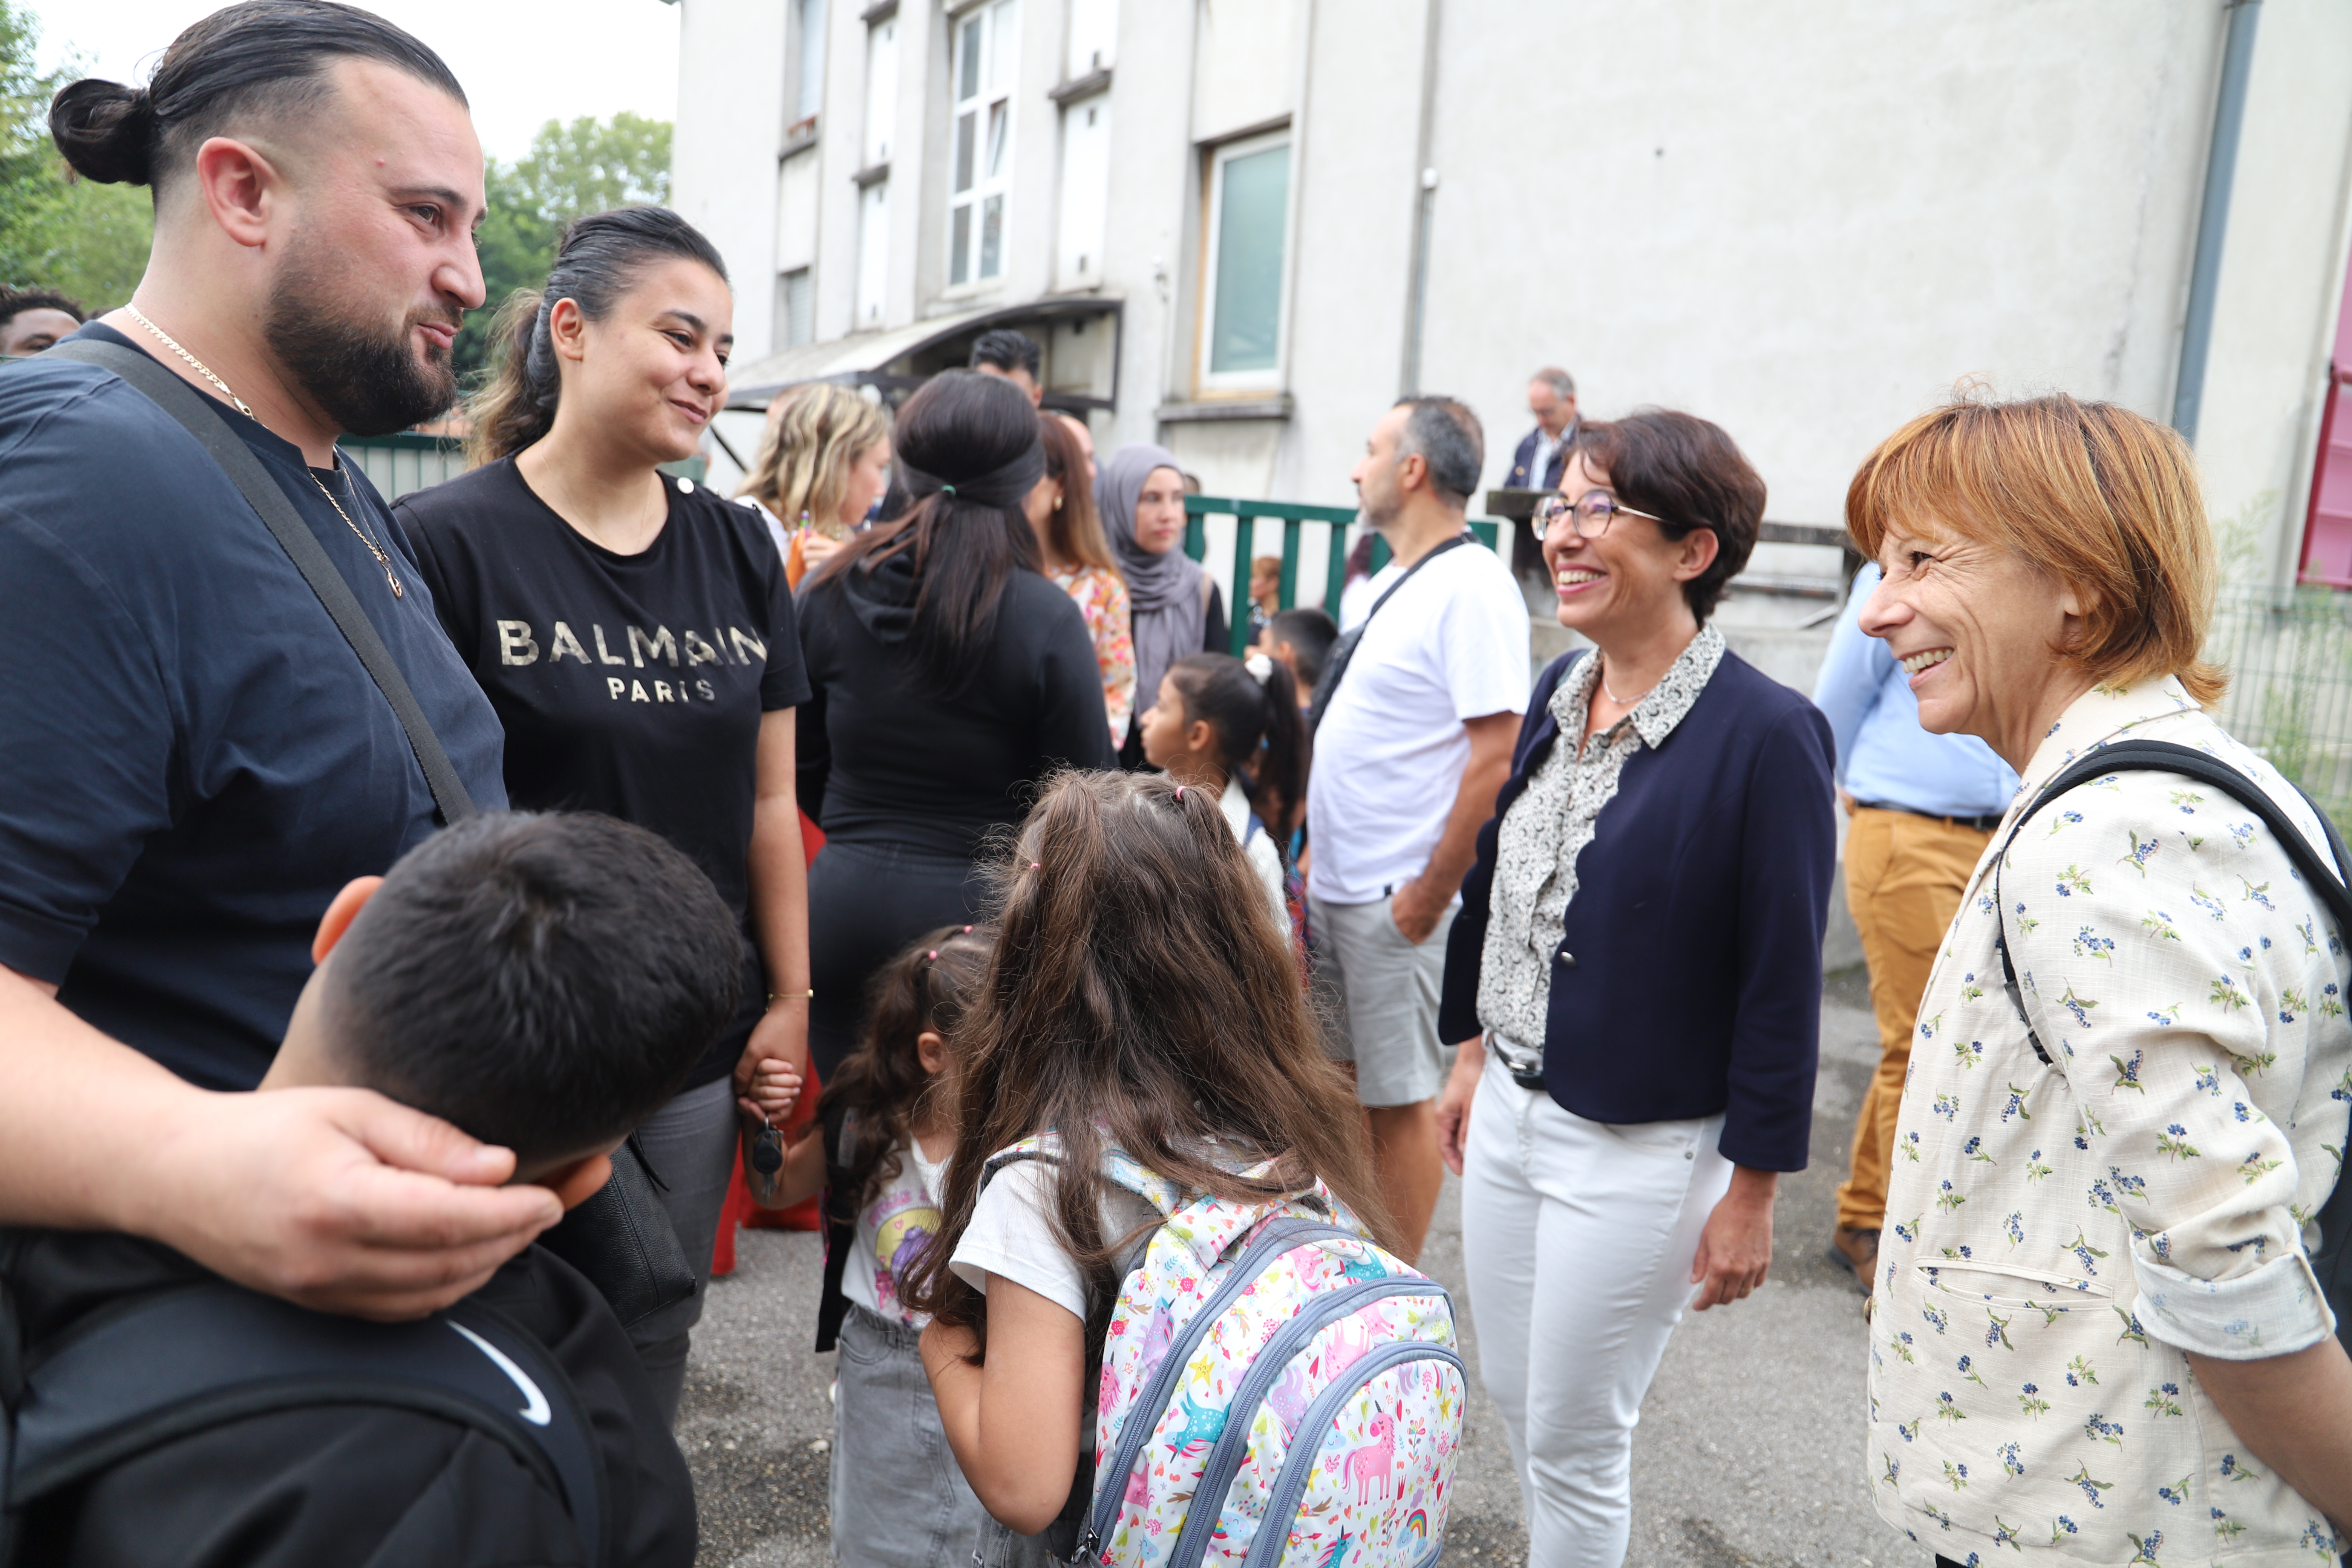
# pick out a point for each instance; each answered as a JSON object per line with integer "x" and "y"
{"x": 1688, "y": 979}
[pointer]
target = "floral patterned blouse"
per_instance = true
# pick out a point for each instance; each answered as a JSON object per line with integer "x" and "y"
{"x": 1548, "y": 827}
{"x": 2057, "y": 1234}
{"x": 1101, "y": 597}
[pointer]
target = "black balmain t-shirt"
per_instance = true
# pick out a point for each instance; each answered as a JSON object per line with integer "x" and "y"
{"x": 631, "y": 685}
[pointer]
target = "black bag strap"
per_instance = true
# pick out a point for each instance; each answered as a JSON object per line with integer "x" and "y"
{"x": 180, "y": 1362}
{"x": 838, "y": 1210}
{"x": 188, "y": 405}
{"x": 2333, "y": 1262}
{"x": 1334, "y": 663}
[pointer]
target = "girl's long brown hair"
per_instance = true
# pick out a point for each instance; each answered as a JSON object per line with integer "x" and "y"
{"x": 928, "y": 986}
{"x": 1138, "y": 1000}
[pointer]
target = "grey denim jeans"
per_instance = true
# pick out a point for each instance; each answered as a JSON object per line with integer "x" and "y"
{"x": 899, "y": 1499}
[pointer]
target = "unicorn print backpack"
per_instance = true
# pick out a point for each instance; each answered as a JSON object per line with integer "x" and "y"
{"x": 1276, "y": 1390}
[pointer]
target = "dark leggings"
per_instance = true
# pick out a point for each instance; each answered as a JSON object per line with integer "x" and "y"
{"x": 867, "y": 902}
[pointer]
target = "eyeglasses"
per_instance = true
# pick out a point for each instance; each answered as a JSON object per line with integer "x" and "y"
{"x": 1593, "y": 513}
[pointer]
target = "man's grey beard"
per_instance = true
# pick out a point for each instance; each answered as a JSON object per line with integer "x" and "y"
{"x": 367, "y": 382}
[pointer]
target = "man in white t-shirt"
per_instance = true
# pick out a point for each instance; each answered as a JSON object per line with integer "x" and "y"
{"x": 1413, "y": 746}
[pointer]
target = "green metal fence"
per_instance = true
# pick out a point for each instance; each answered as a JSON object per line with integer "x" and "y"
{"x": 1295, "y": 517}
{"x": 2288, "y": 652}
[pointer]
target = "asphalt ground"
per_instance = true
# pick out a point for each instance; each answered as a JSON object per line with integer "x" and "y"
{"x": 1749, "y": 1454}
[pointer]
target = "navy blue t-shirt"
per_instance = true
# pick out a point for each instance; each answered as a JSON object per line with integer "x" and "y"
{"x": 194, "y": 762}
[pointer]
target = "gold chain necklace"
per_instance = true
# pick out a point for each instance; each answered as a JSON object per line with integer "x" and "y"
{"x": 201, "y": 368}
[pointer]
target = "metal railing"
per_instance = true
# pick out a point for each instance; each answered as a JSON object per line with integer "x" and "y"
{"x": 2288, "y": 652}
{"x": 1295, "y": 517}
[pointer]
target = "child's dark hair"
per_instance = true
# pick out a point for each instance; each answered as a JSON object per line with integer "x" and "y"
{"x": 543, "y": 982}
{"x": 883, "y": 1081}
{"x": 1260, "y": 735}
{"x": 1311, "y": 634}
{"x": 1126, "y": 1006}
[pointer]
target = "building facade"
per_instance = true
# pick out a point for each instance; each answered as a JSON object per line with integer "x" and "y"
{"x": 1241, "y": 227}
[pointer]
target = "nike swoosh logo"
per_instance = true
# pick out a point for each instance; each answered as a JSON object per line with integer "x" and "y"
{"x": 535, "y": 1409}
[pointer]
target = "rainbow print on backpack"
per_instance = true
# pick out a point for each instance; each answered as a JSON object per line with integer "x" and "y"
{"x": 1276, "y": 1392}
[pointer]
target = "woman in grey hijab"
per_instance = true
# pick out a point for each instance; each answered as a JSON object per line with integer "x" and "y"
{"x": 1176, "y": 607}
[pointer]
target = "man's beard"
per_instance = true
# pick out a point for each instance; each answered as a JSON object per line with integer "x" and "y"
{"x": 367, "y": 382}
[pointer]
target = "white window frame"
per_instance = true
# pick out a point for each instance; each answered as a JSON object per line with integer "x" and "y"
{"x": 1213, "y": 233}
{"x": 996, "y": 23}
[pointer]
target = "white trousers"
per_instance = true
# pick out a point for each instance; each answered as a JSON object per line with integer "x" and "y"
{"x": 1577, "y": 1239}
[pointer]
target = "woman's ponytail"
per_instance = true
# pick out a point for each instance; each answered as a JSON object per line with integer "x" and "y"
{"x": 1281, "y": 777}
{"x": 514, "y": 407}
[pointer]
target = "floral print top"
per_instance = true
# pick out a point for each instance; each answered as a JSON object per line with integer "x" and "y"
{"x": 2057, "y": 1234}
{"x": 1101, "y": 597}
{"x": 1547, "y": 828}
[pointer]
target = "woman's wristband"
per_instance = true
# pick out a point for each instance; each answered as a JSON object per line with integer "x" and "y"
{"x": 776, "y": 996}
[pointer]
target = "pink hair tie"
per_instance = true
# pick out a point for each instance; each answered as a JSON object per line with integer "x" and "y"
{"x": 967, "y": 931}
{"x": 933, "y": 956}
{"x": 1033, "y": 865}
{"x": 1179, "y": 792}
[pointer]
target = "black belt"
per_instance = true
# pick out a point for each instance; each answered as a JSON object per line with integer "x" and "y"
{"x": 1984, "y": 823}
{"x": 1519, "y": 1074}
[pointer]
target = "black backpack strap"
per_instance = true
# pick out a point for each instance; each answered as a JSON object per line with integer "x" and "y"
{"x": 2332, "y": 1264}
{"x": 1334, "y": 663}
{"x": 169, "y": 1366}
{"x": 839, "y": 1210}
{"x": 189, "y": 407}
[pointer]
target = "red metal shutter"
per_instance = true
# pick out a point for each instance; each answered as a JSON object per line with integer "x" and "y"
{"x": 2327, "y": 526}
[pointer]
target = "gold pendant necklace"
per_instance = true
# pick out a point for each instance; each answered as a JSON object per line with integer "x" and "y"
{"x": 201, "y": 368}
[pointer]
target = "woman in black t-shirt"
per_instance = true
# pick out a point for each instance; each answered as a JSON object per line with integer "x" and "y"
{"x": 948, "y": 677}
{"x": 634, "y": 633}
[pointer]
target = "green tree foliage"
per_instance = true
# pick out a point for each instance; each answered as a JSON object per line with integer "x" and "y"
{"x": 58, "y": 231}
{"x": 571, "y": 170}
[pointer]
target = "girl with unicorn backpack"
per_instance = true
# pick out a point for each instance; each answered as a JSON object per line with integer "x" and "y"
{"x": 1167, "y": 1327}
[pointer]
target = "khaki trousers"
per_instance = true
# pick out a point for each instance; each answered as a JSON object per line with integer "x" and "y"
{"x": 1904, "y": 876}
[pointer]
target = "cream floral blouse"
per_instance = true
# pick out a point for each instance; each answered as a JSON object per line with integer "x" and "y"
{"x": 2058, "y": 1234}
{"x": 1101, "y": 598}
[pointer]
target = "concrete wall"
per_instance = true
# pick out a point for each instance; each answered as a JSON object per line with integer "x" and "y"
{"x": 1806, "y": 233}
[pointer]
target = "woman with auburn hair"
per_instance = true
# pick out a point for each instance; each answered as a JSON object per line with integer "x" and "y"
{"x": 1634, "y": 978}
{"x": 1077, "y": 559}
{"x": 2096, "y": 1320}
{"x": 824, "y": 461}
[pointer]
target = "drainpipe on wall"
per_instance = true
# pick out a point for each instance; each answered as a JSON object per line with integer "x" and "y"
{"x": 2213, "y": 218}
{"x": 1417, "y": 299}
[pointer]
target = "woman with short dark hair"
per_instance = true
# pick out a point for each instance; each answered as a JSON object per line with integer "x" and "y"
{"x": 1635, "y": 972}
{"x": 949, "y": 678}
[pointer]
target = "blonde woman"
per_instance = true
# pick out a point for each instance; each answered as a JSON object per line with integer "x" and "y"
{"x": 823, "y": 463}
{"x": 1077, "y": 559}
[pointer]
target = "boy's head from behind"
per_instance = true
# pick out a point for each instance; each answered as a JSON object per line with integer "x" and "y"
{"x": 543, "y": 981}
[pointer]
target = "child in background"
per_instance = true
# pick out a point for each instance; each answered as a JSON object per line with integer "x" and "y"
{"x": 1232, "y": 727}
{"x": 1301, "y": 640}
{"x": 886, "y": 1125}
{"x": 1125, "y": 1009}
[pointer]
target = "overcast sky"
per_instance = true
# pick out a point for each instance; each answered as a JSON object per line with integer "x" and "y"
{"x": 522, "y": 62}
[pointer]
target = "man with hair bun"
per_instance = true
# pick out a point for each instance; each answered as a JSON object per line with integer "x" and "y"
{"x": 197, "y": 760}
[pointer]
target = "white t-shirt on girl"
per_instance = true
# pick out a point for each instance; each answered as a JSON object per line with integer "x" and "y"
{"x": 1012, "y": 1235}
{"x": 1264, "y": 857}
{"x": 891, "y": 1232}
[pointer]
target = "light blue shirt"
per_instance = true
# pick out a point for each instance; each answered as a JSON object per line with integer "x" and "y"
{"x": 1883, "y": 758}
